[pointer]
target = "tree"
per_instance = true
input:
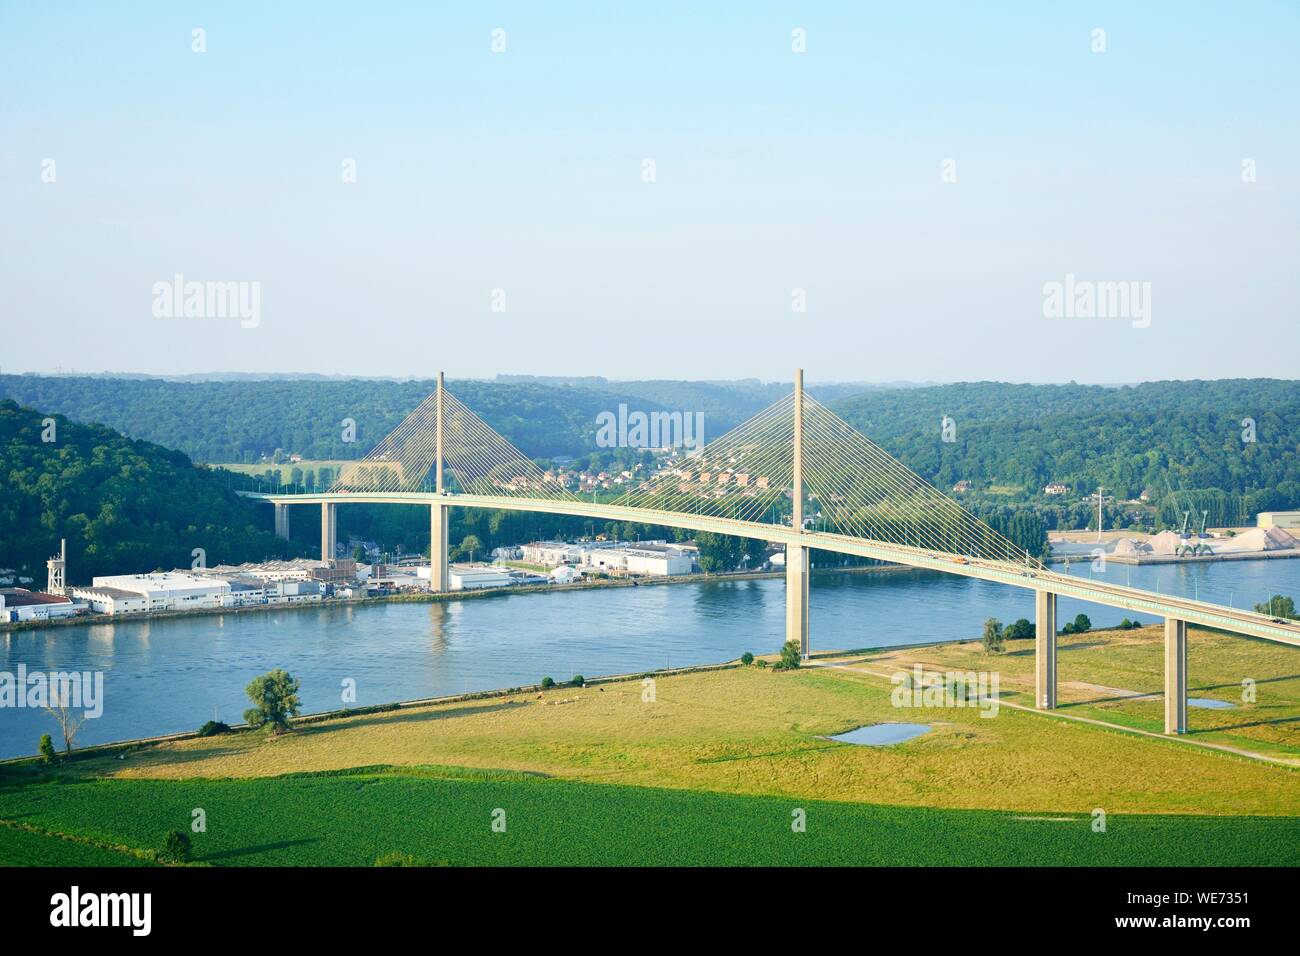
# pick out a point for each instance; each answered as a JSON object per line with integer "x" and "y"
{"x": 719, "y": 552}
{"x": 275, "y": 701}
{"x": 747, "y": 658}
{"x": 993, "y": 636}
{"x": 1278, "y": 605}
{"x": 69, "y": 719}
{"x": 578, "y": 680}
{"x": 176, "y": 847}
{"x": 548, "y": 683}
{"x": 470, "y": 543}
{"x": 359, "y": 554}
{"x": 1019, "y": 630}
{"x": 46, "y": 748}
{"x": 1082, "y": 624}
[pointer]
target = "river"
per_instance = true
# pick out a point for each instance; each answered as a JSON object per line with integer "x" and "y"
{"x": 169, "y": 675}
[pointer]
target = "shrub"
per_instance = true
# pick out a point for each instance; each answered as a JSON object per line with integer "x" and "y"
{"x": 176, "y": 847}
{"x": 746, "y": 658}
{"x": 547, "y": 683}
{"x": 46, "y": 748}
{"x": 213, "y": 727}
{"x": 789, "y": 656}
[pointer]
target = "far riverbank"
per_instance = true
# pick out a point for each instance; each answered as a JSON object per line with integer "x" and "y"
{"x": 433, "y": 597}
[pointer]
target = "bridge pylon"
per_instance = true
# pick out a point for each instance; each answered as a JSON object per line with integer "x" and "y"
{"x": 1045, "y": 650}
{"x": 796, "y": 556}
{"x": 438, "y": 513}
{"x": 282, "y": 520}
{"x": 329, "y": 530}
{"x": 1175, "y": 676}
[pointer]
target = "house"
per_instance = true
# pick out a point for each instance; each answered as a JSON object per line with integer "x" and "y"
{"x": 961, "y": 486}
{"x": 1055, "y": 488}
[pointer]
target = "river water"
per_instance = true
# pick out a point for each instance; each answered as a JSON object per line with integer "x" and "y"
{"x": 171, "y": 675}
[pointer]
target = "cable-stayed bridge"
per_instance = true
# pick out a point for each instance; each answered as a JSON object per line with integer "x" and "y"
{"x": 760, "y": 480}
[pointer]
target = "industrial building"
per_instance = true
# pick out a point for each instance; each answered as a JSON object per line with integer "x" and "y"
{"x": 337, "y": 571}
{"x": 103, "y": 600}
{"x": 656, "y": 558}
{"x": 1286, "y": 520}
{"x": 475, "y": 577}
{"x": 170, "y": 590}
{"x": 120, "y": 594}
{"x": 20, "y": 604}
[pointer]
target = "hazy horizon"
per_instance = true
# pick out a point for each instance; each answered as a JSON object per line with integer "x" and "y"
{"x": 508, "y": 377}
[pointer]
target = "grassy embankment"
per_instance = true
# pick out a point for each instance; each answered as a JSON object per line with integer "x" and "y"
{"x": 711, "y": 771}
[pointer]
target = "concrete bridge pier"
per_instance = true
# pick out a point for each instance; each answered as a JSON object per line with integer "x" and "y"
{"x": 1175, "y": 676}
{"x": 282, "y": 521}
{"x": 329, "y": 530}
{"x": 796, "y": 597}
{"x": 1045, "y": 650}
{"x": 438, "y": 581}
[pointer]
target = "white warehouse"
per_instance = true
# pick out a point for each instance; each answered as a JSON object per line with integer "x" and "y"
{"x": 168, "y": 590}
{"x": 474, "y": 577}
{"x": 658, "y": 560}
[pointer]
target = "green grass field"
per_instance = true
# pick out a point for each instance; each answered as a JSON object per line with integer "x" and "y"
{"x": 445, "y": 817}
{"x": 1094, "y": 666}
{"x": 709, "y": 768}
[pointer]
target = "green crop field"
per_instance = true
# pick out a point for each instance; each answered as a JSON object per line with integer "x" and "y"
{"x": 26, "y": 847}
{"x": 445, "y": 816}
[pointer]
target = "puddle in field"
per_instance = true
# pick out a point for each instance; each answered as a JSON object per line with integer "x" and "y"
{"x": 1209, "y": 703}
{"x": 879, "y": 735}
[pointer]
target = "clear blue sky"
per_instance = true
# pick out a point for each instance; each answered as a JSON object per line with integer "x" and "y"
{"x": 776, "y": 171}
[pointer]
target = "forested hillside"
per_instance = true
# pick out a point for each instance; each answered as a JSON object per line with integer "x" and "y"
{"x": 124, "y": 506}
{"x": 242, "y": 421}
{"x": 1182, "y": 441}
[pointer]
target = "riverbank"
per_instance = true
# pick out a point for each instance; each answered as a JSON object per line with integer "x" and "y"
{"x": 701, "y": 765}
{"x": 431, "y": 597}
{"x": 119, "y": 748}
{"x": 1110, "y": 675}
